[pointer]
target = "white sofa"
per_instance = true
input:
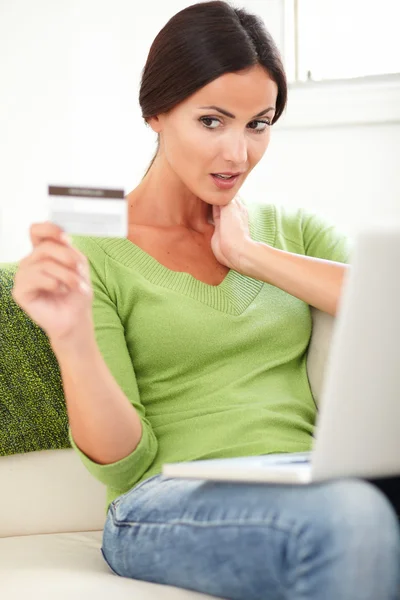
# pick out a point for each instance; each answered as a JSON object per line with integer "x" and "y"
{"x": 52, "y": 513}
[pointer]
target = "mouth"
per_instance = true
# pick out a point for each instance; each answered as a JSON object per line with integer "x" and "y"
{"x": 225, "y": 181}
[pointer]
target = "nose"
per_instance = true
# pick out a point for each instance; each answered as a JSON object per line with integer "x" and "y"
{"x": 235, "y": 149}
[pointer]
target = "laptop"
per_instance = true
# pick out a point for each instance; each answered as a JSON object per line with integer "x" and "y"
{"x": 358, "y": 424}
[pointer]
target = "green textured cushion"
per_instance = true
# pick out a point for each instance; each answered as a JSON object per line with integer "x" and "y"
{"x": 33, "y": 414}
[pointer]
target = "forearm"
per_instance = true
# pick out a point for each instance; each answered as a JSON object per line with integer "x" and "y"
{"x": 315, "y": 281}
{"x": 104, "y": 424}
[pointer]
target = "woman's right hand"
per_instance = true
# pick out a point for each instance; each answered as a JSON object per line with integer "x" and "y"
{"x": 48, "y": 285}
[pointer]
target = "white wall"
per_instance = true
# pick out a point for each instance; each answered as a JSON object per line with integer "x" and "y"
{"x": 69, "y": 114}
{"x": 350, "y": 174}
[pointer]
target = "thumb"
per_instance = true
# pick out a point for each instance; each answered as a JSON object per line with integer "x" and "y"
{"x": 216, "y": 213}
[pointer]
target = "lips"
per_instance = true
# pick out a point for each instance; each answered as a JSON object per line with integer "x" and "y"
{"x": 222, "y": 183}
{"x": 228, "y": 174}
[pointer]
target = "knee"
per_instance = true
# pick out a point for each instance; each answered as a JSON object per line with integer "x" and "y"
{"x": 356, "y": 520}
{"x": 359, "y": 505}
{"x": 349, "y": 545}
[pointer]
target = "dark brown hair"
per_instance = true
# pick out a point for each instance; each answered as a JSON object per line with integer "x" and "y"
{"x": 199, "y": 44}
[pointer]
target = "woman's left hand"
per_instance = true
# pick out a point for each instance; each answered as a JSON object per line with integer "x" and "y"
{"x": 231, "y": 236}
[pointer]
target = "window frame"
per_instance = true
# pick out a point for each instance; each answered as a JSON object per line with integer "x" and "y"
{"x": 370, "y": 99}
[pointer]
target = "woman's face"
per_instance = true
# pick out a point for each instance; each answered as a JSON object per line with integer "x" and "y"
{"x": 200, "y": 140}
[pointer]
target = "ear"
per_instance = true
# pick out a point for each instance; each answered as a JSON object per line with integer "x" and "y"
{"x": 155, "y": 124}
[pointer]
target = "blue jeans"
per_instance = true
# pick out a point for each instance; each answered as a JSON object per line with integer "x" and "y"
{"x": 336, "y": 540}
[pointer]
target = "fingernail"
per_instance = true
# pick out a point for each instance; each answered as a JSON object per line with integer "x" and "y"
{"x": 66, "y": 238}
{"x": 84, "y": 287}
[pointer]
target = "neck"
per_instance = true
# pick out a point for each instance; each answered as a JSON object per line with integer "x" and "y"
{"x": 162, "y": 200}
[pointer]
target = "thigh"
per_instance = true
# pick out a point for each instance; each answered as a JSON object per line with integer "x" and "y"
{"x": 251, "y": 541}
{"x": 390, "y": 486}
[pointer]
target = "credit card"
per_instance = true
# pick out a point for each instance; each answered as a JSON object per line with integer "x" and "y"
{"x": 89, "y": 211}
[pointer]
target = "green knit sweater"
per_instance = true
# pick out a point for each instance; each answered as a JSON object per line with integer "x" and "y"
{"x": 213, "y": 371}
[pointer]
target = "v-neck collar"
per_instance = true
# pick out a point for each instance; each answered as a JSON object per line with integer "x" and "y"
{"x": 233, "y": 295}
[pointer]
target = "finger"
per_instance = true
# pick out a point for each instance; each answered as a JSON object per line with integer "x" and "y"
{"x": 52, "y": 270}
{"x": 216, "y": 212}
{"x": 71, "y": 279}
{"x": 40, "y": 231}
{"x": 65, "y": 255}
{"x": 43, "y": 283}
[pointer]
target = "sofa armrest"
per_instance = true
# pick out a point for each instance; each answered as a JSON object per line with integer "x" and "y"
{"x": 318, "y": 350}
{"x": 49, "y": 492}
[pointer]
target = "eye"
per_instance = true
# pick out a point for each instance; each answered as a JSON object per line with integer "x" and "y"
{"x": 254, "y": 125}
{"x": 264, "y": 125}
{"x": 206, "y": 122}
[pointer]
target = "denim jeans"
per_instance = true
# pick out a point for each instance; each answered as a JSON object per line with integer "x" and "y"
{"x": 337, "y": 540}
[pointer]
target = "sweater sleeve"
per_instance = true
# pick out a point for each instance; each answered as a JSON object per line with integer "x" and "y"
{"x": 110, "y": 337}
{"x": 323, "y": 239}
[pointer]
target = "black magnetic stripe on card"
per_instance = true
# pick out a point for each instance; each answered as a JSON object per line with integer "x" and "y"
{"x": 95, "y": 193}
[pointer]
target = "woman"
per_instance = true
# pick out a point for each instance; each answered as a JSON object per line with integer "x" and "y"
{"x": 187, "y": 340}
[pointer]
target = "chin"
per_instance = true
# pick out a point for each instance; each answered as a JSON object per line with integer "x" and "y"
{"x": 217, "y": 197}
{"x": 220, "y": 197}
{"x": 218, "y": 200}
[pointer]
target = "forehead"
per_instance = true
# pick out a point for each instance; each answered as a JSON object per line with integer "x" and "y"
{"x": 244, "y": 92}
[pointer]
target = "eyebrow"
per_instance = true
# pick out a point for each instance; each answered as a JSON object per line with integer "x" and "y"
{"x": 228, "y": 114}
